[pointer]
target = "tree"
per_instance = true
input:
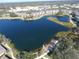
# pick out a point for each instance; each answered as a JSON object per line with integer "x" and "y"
{"x": 66, "y": 46}
{"x": 13, "y": 15}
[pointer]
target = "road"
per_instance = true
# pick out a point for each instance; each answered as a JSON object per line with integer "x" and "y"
{"x": 42, "y": 56}
{"x": 47, "y": 51}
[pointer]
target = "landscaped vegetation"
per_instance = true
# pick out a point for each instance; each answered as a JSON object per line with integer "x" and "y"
{"x": 67, "y": 24}
{"x": 60, "y": 13}
{"x": 68, "y": 46}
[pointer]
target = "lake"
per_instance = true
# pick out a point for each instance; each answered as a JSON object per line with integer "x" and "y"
{"x": 30, "y": 35}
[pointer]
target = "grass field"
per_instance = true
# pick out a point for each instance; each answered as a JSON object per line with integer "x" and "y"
{"x": 67, "y": 24}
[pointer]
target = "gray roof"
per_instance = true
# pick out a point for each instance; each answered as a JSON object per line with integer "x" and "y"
{"x": 4, "y": 57}
{"x": 2, "y": 50}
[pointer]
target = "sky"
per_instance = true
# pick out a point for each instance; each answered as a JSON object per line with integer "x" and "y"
{"x": 22, "y": 0}
{"x": 3, "y": 1}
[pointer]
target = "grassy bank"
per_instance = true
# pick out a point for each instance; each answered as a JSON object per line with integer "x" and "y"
{"x": 13, "y": 47}
{"x": 67, "y": 24}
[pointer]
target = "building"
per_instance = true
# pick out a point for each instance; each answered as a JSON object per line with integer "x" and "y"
{"x": 2, "y": 50}
{"x": 5, "y": 57}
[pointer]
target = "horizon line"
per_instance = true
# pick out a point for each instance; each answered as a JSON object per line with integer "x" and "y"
{"x": 37, "y": 1}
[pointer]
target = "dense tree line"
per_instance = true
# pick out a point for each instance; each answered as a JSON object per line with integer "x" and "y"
{"x": 68, "y": 46}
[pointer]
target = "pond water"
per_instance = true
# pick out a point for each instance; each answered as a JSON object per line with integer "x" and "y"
{"x": 30, "y": 35}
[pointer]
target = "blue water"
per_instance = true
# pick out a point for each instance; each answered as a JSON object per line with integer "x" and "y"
{"x": 30, "y": 35}
{"x": 63, "y": 18}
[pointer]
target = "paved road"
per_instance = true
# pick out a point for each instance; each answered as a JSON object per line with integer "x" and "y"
{"x": 42, "y": 56}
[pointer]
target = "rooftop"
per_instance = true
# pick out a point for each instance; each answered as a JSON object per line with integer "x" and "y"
{"x": 5, "y": 57}
{"x": 2, "y": 50}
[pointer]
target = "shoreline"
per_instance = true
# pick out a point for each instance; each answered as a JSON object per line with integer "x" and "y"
{"x": 9, "y": 18}
{"x": 66, "y": 24}
{"x": 28, "y": 19}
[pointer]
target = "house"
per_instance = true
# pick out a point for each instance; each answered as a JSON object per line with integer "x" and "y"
{"x": 3, "y": 53}
{"x": 5, "y": 57}
{"x": 2, "y": 50}
{"x": 52, "y": 45}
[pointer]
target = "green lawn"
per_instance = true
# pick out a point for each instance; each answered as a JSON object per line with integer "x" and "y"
{"x": 67, "y": 24}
